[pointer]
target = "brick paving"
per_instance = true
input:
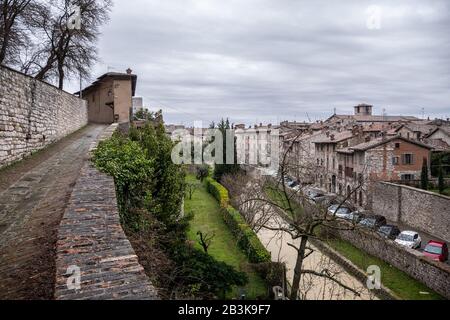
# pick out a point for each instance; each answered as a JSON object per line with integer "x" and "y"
{"x": 91, "y": 238}
{"x": 34, "y": 195}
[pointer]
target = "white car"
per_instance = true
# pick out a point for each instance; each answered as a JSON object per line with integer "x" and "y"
{"x": 410, "y": 239}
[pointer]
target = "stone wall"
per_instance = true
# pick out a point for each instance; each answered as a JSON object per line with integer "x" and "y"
{"x": 435, "y": 275}
{"x": 33, "y": 114}
{"x": 91, "y": 238}
{"x": 422, "y": 210}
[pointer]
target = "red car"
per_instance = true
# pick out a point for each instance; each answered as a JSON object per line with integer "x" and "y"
{"x": 436, "y": 250}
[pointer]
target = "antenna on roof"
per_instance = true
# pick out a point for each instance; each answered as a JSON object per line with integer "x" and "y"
{"x": 309, "y": 119}
{"x": 423, "y": 113}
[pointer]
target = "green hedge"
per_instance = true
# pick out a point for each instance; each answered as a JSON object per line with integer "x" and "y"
{"x": 248, "y": 241}
{"x": 218, "y": 191}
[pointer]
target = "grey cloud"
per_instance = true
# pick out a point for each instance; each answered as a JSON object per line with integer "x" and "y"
{"x": 267, "y": 61}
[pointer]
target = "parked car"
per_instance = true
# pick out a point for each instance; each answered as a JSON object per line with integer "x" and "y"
{"x": 410, "y": 239}
{"x": 389, "y": 231}
{"x": 292, "y": 184}
{"x": 436, "y": 250}
{"x": 314, "y": 194}
{"x": 339, "y": 211}
{"x": 373, "y": 222}
{"x": 355, "y": 216}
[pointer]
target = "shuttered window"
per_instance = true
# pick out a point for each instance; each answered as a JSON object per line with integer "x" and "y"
{"x": 407, "y": 159}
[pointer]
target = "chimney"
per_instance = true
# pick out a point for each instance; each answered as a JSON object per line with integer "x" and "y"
{"x": 129, "y": 71}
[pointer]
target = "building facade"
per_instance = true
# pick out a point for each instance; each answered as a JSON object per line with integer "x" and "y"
{"x": 109, "y": 98}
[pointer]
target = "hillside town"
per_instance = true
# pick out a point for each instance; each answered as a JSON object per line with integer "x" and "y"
{"x": 147, "y": 178}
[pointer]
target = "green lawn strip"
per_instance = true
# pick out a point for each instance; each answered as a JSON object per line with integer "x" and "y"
{"x": 279, "y": 198}
{"x": 208, "y": 219}
{"x": 446, "y": 192}
{"x": 399, "y": 282}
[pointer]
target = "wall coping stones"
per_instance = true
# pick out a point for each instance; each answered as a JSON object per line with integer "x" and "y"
{"x": 91, "y": 238}
{"x": 416, "y": 190}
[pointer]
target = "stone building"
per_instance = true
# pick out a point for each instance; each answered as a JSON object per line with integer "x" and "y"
{"x": 383, "y": 159}
{"x": 109, "y": 98}
{"x": 363, "y": 114}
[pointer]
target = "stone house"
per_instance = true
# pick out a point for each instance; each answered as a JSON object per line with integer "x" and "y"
{"x": 440, "y": 133}
{"x": 384, "y": 159}
{"x": 109, "y": 98}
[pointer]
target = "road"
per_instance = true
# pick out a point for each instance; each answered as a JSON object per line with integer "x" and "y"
{"x": 313, "y": 287}
{"x": 33, "y": 197}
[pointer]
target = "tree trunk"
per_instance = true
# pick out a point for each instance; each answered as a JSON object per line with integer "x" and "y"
{"x": 5, "y": 43}
{"x": 298, "y": 268}
{"x": 61, "y": 76}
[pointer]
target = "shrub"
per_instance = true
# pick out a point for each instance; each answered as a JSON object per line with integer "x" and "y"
{"x": 132, "y": 171}
{"x": 218, "y": 191}
{"x": 247, "y": 240}
{"x": 201, "y": 271}
{"x": 202, "y": 172}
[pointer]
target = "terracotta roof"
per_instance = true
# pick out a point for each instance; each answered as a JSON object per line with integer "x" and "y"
{"x": 378, "y": 142}
{"x": 369, "y": 118}
{"x": 445, "y": 129}
{"x": 115, "y": 76}
{"x": 338, "y": 137}
{"x": 438, "y": 144}
{"x": 423, "y": 128}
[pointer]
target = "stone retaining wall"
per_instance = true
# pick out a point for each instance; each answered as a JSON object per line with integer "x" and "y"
{"x": 33, "y": 114}
{"x": 435, "y": 275}
{"x": 91, "y": 238}
{"x": 422, "y": 210}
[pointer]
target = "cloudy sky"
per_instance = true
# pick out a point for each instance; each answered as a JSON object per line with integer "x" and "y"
{"x": 271, "y": 60}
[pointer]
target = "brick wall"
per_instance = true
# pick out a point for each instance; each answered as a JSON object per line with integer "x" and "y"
{"x": 91, "y": 238}
{"x": 33, "y": 114}
{"x": 433, "y": 274}
{"x": 423, "y": 210}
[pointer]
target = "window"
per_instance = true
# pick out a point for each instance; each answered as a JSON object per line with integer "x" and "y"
{"x": 408, "y": 159}
{"x": 407, "y": 177}
{"x": 395, "y": 161}
{"x": 397, "y": 146}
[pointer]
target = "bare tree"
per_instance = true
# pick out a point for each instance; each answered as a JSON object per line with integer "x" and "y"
{"x": 205, "y": 240}
{"x": 242, "y": 188}
{"x": 301, "y": 218}
{"x": 66, "y": 52}
{"x": 191, "y": 188}
{"x": 12, "y": 35}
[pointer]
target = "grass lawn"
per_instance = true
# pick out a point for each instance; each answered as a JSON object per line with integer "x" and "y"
{"x": 446, "y": 192}
{"x": 208, "y": 219}
{"x": 399, "y": 282}
{"x": 279, "y": 198}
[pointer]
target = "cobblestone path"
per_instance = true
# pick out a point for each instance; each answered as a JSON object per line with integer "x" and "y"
{"x": 33, "y": 196}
